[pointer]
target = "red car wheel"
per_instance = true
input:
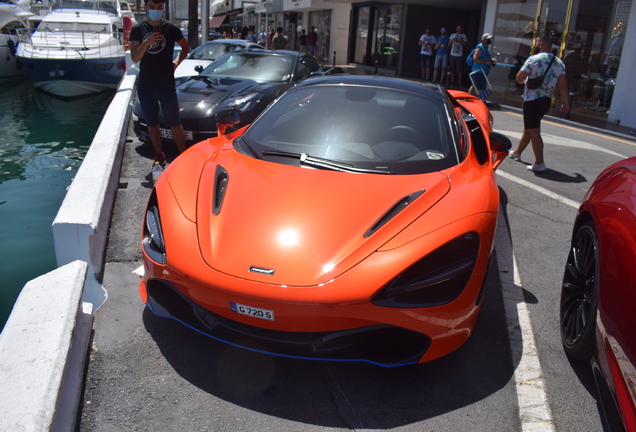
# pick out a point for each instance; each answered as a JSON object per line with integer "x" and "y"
{"x": 579, "y": 295}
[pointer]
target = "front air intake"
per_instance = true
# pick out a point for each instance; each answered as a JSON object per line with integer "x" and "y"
{"x": 393, "y": 211}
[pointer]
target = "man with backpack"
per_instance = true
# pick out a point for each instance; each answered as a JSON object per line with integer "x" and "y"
{"x": 481, "y": 59}
{"x": 549, "y": 71}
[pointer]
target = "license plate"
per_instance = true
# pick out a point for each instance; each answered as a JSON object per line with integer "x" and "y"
{"x": 252, "y": 311}
{"x": 167, "y": 134}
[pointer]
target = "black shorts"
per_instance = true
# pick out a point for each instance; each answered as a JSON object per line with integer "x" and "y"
{"x": 534, "y": 110}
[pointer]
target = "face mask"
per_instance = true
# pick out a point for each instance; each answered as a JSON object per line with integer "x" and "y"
{"x": 155, "y": 15}
{"x": 488, "y": 42}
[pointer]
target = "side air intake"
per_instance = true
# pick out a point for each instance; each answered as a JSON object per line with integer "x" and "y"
{"x": 220, "y": 187}
{"x": 393, "y": 211}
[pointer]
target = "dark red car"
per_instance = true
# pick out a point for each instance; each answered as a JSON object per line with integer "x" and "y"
{"x": 598, "y": 296}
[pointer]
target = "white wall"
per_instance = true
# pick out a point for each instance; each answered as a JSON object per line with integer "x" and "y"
{"x": 489, "y": 15}
{"x": 624, "y": 100}
{"x": 339, "y": 32}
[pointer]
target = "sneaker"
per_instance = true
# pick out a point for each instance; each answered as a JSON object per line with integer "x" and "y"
{"x": 537, "y": 167}
{"x": 514, "y": 156}
{"x": 161, "y": 158}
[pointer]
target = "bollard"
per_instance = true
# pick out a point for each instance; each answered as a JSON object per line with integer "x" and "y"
{"x": 376, "y": 61}
{"x": 448, "y": 79}
{"x": 570, "y": 101}
{"x": 334, "y": 59}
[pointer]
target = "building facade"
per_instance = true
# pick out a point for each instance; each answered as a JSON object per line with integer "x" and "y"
{"x": 592, "y": 37}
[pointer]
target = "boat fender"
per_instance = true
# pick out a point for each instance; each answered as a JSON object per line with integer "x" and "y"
{"x": 12, "y": 46}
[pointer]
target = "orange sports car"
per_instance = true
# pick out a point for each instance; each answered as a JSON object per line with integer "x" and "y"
{"x": 353, "y": 220}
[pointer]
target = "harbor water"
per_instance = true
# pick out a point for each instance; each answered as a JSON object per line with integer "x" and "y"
{"x": 43, "y": 142}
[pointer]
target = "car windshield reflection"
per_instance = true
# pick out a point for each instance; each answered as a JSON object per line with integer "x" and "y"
{"x": 368, "y": 128}
{"x": 254, "y": 66}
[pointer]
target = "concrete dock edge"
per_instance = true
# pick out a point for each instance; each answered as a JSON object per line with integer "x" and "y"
{"x": 80, "y": 229}
{"x": 42, "y": 345}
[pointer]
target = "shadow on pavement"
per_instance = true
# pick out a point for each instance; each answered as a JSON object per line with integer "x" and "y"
{"x": 337, "y": 394}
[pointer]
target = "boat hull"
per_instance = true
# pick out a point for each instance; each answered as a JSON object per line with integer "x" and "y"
{"x": 70, "y": 78}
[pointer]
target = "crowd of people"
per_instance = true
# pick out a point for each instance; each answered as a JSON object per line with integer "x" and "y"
{"x": 276, "y": 39}
{"x": 442, "y": 54}
{"x": 541, "y": 75}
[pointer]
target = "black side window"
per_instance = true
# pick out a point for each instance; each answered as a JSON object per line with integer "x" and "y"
{"x": 477, "y": 138}
{"x": 302, "y": 70}
{"x": 311, "y": 63}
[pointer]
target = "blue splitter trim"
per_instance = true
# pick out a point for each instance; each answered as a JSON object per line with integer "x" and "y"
{"x": 277, "y": 354}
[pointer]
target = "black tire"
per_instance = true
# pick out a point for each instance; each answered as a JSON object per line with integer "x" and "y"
{"x": 579, "y": 295}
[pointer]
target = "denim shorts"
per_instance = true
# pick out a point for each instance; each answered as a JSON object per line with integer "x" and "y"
{"x": 441, "y": 60}
{"x": 151, "y": 96}
{"x": 457, "y": 63}
{"x": 426, "y": 60}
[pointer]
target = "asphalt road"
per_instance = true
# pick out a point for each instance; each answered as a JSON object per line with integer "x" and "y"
{"x": 151, "y": 374}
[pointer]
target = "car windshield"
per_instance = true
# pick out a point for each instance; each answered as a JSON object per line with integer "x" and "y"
{"x": 372, "y": 129}
{"x": 213, "y": 51}
{"x": 249, "y": 65}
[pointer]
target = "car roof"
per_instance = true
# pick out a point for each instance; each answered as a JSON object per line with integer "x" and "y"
{"x": 230, "y": 42}
{"x": 426, "y": 88}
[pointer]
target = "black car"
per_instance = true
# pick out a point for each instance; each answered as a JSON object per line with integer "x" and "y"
{"x": 245, "y": 79}
{"x": 206, "y": 53}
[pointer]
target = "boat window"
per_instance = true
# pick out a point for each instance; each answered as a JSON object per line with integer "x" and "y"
{"x": 74, "y": 27}
{"x": 12, "y": 27}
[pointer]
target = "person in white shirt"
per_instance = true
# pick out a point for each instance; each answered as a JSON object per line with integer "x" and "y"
{"x": 537, "y": 101}
{"x": 427, "y": 42}
{"x": 458, "y": 41}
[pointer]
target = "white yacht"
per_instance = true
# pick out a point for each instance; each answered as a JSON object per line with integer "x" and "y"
{"x": 77, "y": 49}
{"x": 13, "y": 16}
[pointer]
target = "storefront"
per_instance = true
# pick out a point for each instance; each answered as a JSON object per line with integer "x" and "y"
{"x": 376, "y": 35}
{"x": 320, "y": 21}
{"x": 588, "y": 35}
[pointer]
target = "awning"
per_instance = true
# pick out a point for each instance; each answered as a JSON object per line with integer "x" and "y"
{"x": 217, "y": 21}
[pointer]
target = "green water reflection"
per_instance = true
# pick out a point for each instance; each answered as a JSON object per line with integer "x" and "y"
{"x": 43, "y": 142}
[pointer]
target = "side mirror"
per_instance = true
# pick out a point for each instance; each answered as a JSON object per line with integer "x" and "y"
{"x": 499, "y": 142}
{"x": 225, "y": 118}
{"x": 198, "y": 68}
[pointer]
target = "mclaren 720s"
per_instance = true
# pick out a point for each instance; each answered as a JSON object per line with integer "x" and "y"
{"x": 353, "y": 220}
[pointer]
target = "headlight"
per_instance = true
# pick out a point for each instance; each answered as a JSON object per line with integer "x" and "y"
{"x": 153, "y": 242}
{"x": 245, "y": 102}
{"x": 437, "y": 279}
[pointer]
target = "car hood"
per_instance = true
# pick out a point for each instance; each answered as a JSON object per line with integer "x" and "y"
{"x": 293, "y": 226}
{"x": 186, "y": 68}
{"x": 197, "y": 97}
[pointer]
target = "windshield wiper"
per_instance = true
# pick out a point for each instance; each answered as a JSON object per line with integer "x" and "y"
{"x": 317, "y": 162}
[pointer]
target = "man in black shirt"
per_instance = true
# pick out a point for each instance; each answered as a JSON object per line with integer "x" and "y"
{"x": 152, "y": 45}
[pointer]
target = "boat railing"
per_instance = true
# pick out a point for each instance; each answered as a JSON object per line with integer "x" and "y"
{"x": 111, "y": 7}
{"x": 71, "y": 44}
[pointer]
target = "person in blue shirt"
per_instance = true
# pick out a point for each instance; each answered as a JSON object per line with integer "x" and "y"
{"x": 442, "y": 45}
{"x": 482, "y": 59}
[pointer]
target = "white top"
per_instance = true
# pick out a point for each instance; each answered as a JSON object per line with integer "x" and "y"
{"x": 427, "y": 49}
{"x": 457, "y": 49}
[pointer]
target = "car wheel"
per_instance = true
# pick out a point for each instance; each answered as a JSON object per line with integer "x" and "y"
{"x": 579, "y": 295}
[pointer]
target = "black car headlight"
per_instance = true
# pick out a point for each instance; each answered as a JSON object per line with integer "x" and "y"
{"x": 245, "y": 102}
{"x": 153, "y": 242}
{"x": 436, "y": 279}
